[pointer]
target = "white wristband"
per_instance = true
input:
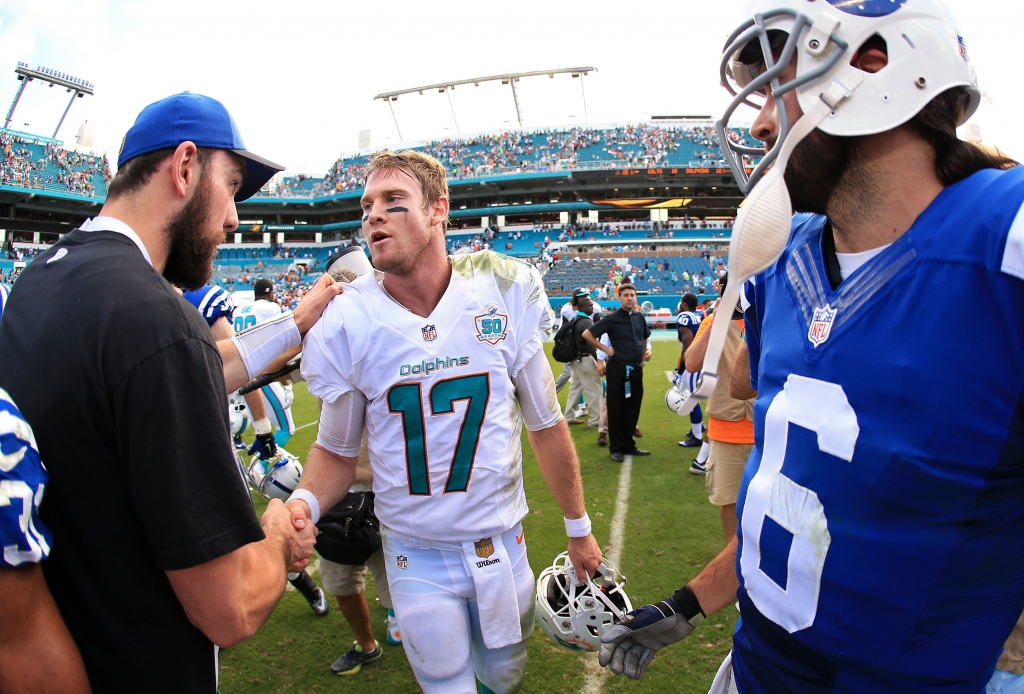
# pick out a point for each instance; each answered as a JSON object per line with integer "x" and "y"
{"x": 310, "y": 499}
{"x": 577, "y": 527}
{"x": 262, "y": 426}
{"x": 260, "y": 345}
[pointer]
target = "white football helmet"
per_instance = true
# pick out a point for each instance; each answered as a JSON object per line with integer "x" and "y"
{"x": 927, "y": 56}
{"x": 676, "y": 400}
{"x": 238, "y": 413}
{"x": 577, "y": 616}
{"x": 276, "y": 477}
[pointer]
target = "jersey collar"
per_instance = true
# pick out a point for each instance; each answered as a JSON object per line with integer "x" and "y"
{"x": 117, "y": 226}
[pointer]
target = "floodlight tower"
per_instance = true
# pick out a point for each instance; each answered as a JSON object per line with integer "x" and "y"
{"x": 75, "y": 86}
{"x": 509, "y": 79}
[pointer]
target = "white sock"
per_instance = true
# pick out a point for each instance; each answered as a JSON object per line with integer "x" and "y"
{"x": 698, "y": 430}
{"x": 705, "y": 451}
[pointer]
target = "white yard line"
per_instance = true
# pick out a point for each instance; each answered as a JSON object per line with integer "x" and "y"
{"x": 313, "y": 423}
{"x": 594, "y": 675}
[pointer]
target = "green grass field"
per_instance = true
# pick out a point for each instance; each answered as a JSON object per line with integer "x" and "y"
{"x": 671, "y": 533}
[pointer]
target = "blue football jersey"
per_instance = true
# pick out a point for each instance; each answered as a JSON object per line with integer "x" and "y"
{"x": 882, "y": 532}
{"x": 23, "y": 478}
{"x": 687, "y": 319}
{"x": 213, "y": 302}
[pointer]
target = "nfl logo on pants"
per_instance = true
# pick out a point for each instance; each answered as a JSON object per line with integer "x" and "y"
{"x": 821, "y": 325}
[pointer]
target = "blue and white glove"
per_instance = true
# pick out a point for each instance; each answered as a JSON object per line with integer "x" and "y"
{"x": 629, "y": 646}
{"x": 678, "y": 380}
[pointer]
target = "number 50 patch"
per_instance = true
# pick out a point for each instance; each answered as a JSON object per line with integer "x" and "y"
{"x": 492, "y": 326}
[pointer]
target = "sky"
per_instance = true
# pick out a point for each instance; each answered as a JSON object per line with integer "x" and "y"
{"x": 299, "y": 77}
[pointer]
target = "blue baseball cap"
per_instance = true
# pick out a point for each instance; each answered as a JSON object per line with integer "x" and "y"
{"x": 199, "y": 119}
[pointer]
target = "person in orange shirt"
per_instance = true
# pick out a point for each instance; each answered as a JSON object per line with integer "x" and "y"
{"x": 730, "y": 420}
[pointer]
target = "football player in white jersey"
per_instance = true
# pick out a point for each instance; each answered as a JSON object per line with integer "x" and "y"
{"x": 277, "y": 397}
{"x": 441, "y": 360}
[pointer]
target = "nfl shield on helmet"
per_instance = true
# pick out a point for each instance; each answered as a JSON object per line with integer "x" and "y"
{"x": 574, "y": 615}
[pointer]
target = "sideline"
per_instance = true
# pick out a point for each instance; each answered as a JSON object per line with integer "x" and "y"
{"x": 594, "y": 675}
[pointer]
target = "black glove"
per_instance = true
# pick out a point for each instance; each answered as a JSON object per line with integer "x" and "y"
{"x": 629, "y": 646}
{"x": 264, "y": 446}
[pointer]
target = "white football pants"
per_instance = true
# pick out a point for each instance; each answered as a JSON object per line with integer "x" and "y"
{"x": 434, "y": 599}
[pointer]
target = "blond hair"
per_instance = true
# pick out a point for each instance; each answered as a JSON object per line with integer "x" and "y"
{"x": 427, "y": 170}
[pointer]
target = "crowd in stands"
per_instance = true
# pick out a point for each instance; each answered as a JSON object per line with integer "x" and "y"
{"x": 39, "y": 163}
{"x": 520, "y": 151}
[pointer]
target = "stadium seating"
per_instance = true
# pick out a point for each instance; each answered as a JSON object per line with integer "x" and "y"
{"x": 27, "y": 161}
{"x": 564, "y": 277}
{"x": 519, "y": 151}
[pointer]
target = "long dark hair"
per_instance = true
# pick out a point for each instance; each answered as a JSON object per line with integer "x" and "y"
{"x": 955, "y": 159}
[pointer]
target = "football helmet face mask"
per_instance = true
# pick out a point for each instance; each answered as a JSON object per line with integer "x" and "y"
{"x": 927, "y": 56}
{"x": 276, "y": 477}
{"x": 577, "y": 616}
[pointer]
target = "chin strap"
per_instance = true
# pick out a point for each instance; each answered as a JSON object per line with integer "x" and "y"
{"x": 769, "y": 213}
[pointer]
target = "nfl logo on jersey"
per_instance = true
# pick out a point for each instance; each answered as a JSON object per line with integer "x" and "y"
{"x": 821, "y": 325}
{"x": 402, "y": 562}
{"x": 484, "y": 548}
{"x": 429, "y": 332}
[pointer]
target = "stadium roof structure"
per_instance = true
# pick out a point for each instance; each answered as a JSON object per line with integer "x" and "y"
{"x": 75, "y": 86}
{"x": 509, "y": 78}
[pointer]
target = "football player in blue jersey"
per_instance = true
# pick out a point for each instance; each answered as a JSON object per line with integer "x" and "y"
{"x": 37, "y": 653}
{"x": 687, "y": 322}
{"x": 874, "y": 554}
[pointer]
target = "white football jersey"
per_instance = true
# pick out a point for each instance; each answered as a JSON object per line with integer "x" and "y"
{"x": 259, "y": 311}
{"x": 442, "y": 420}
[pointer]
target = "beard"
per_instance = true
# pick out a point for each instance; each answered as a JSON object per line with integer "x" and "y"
{"x": 816, "y": 168}
{"x": 190, "y": 258}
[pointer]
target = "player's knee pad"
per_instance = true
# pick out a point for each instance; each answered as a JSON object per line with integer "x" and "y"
{"x": 503, "y": 670}
{"x": 436, "y": 637}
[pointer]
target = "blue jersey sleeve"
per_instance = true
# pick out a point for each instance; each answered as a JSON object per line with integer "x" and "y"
{"x": 212, "y": 302}
{"x": 23, "y": 479}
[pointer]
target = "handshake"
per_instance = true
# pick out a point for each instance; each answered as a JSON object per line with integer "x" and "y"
{"x": 296, "y": 535}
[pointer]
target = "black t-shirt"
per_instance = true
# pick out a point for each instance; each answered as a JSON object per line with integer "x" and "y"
{"x": 628, "y": 333}
{"x": 124, "y": 387}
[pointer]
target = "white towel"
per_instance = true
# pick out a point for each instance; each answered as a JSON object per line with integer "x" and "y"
{"x": 724, "y": 682}
{"x": 496, "y": 596}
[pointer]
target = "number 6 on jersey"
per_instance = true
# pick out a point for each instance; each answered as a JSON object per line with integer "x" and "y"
{"x": 775, "y": 503}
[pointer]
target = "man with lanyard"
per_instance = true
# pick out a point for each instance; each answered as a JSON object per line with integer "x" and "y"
{"x": 630, "y": 348}
{"x": 585, "y": 379}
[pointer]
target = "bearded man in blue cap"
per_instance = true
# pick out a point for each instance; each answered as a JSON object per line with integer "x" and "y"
{"x": 158, "y": 557}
